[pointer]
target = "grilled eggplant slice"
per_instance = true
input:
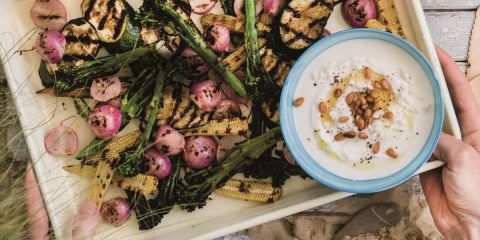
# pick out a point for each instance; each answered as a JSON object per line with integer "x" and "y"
{"x": 389, "y": 17}
{"x": 303, "y": 21}
{"x": 178, "y": 110}
{"x": 82, "y": 43}
{"x": 109, "y": 17}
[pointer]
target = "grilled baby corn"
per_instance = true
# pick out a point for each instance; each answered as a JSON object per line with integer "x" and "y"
{"x": 224, "y": 127}
{"x": 389, "y": 17}
{"x": 250, "y": 191}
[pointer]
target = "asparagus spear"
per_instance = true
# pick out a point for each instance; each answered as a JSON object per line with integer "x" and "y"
{"x": 195, "y": 41}
{"x": 203, "y": 182}
{"x": 80, "y": 75}
{"x": 132, "y": 160}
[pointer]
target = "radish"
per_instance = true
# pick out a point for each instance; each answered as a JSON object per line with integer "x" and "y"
{"x": 105, "y": 121}
{"x": 104, "y": 89}
{"x": 358, "y": 12}
{"x": 169, "y": 141}
{"x": 288, "y": 156}
{"x": 200, "y": 152}
{"x": 158, "y": 165}
{"x": 61, "y": 141}
{"x": 273, "y": 7}
{"x": 202, "y": 6}
{"x": 206, "y": 95}
{"x": 195, "y": 65}
{"x": 116, "y": 211}
{"x": 217, "y": 37}
{"x": 230, "y": 94}
{"x": 49, "y": 14}
{"x": 50, "y": 45}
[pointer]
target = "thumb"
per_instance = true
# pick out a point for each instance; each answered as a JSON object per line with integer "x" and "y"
{"x": 450, "y": 150}
{"x": 86, "y": 223}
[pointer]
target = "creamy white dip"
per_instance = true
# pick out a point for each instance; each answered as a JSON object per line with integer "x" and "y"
{"x": 405, "y": 133}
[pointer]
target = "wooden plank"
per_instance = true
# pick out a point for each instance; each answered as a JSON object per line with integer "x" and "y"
{"x": 450, "y": 4}
{"x": 451, "y": 30}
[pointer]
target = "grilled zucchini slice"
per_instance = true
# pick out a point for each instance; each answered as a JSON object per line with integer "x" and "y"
{"x": 130, "y": 37}
{"x": 109, "y": 17}
{"x": 82, "y": 42}
{"x": 303, "y": 21}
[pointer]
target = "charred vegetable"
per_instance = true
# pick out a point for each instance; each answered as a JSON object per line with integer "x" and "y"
{"x": 83, "y": 43}
{"x": 358, "y": 12}
{"x": 225, "y": 127}
{"x": 109, "y": 17}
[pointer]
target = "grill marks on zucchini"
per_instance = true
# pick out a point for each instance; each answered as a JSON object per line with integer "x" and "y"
{"x": 178, "y": 110}
{"x": 107, "y": 16}
{"x": 302, "y": 22}
{"x": 82, "y": 42}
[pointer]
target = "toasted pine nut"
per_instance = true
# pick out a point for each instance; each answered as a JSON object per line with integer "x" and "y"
{"x": 374, "y": 93}
{"x": 298, "y": 102}
{"x": 337, "y": 93}
{"x": 385, "y": 84}
{"x": 367, "y": 72}
{"x": 388, "y": 115}
{"x": 339, "y": 137}
{"x": 361, "y": 124}
{"x": 376, "y": 148}
{"x": 350, "y": 134}
{"x": 323, "y": 107}
{"x": 362, "y": 135}
{"x": 367, "y": 113}
{"x": 343, "y": 119}
{"x": 391, "y": 153}
{"x": 350, "y": 98}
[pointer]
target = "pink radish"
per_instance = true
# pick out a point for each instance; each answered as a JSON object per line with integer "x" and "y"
{"x": 49, "y": 14}
{"x": 194, "y": 64}
{"x": 116, "y": 211}
{"x": 105, "y": 121}
{"x": 358, "y": 12}
{"x": 61, "y": 141}
{"x": 104, "y": 89}
{"x": 50, "y": 45}
{"x": 206, "y": 95}
{"x": 202, "y": 6}
{"x": 217, "y": 37}
{"x": 230, "y": 94}
{"x": 273, "y": 7}
{"x": 200, "y": 152}
{"x": 158, "y": 165}
{"x": 169, "y": 141}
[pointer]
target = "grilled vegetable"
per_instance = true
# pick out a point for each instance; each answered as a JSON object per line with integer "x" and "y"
{"x": 375, "y": 24}
{"x": 109, "y": 17}
{"x": 147, "y": 185}
{"x": 234, "y": 24}
{"x": 116, "y": 211}
{"x": 200, "y": 152}
{"x": 48, "y": 14}
{"x": 129, "y": 38}
{"x": 202, "y": 6}
{"x": 238, "y": 7}
{"x": 206, "y": 95}
{"x": 388, "y": 16}
{"x": 158, "y": 165}
{"x": 271, "y": 110}
{"x": 195, "y": 66}
{"x": 235, "y": 59}
{"x": 302, "y": 22}
{"x": 106, "y": 88}
{"x": 169, "y": 141}
{"x": 195, "y": 41}
{"x": 81, "y": 92}
{"x": 250, "y": 191}
{"x": 227, "y": 109}
{"x": 217, "y": 37}
{"x": 225, "y": 127}
{"x": 47, "y": 74}
{"x": 105, "y": 121}
{"x": 50, "y": 45}
{"x": 273, "y": 7}
{"x": 178, "y": 110}
{"x": 203, "y": 182}
{"x": 358, "y": 12}
{"x": 82, "y": 42}
{"x": 61, "y": 141}
{"x": 82, "y": 108}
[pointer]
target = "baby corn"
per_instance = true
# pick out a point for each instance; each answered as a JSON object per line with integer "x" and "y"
{"x": 147, "y": 185}
{"x": 225, "y": 127}
{"x": 235, "y": 59}
{"x": 250, "y": 191}
{"x": 389, "y": 17}
{"x": 235, "y": 24}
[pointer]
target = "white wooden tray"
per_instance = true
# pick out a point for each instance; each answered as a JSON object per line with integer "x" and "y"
{"x": 63, "y": 192}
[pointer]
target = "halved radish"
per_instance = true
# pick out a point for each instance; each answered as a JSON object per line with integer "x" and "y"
{"x": 104, "y": 89}
{"x": 50, "y": 45}
{"x": 202, "y": 6}
{"x": 217, "y": 37}
{"x": 49, "y": 14}
{"x": 273, "y": 7}
{"x": 61, "y": 141}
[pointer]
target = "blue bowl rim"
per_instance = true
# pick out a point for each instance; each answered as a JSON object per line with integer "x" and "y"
{"x": 315, "y": 170}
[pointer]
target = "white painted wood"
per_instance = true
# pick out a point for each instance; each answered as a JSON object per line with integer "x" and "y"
{"x": 450, "y": 4}
{"x": 451, "y": 30}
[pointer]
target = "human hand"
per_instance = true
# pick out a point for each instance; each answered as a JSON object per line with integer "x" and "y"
{"x": 452, "y": 192}
{"x": 84, "y": 226}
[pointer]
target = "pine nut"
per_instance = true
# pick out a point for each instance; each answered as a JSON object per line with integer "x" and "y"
{"x": 367, "y": 72}
{"x": 343, "y": 119}
{"x": 339, "y": 137}
{"x": 376, "y": 148}
{"x": 388, "y": 115}
{"x": 362, "y": 135}
{"x": 337, "y": 93}
{"x": 391, "y": 153}
{"x": 350, "y": 134}
{"x": 323, "y": 107}
{"x": 298, "y": 102}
